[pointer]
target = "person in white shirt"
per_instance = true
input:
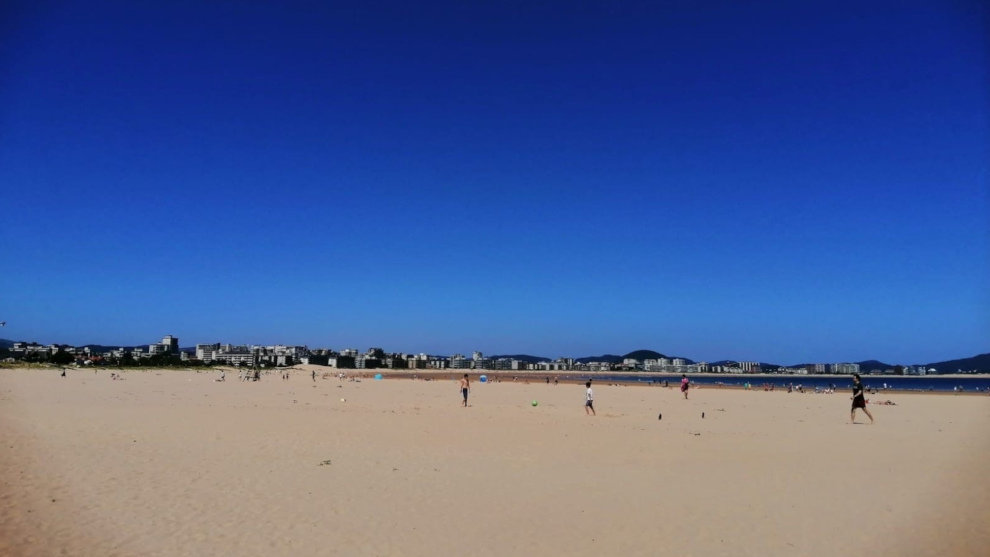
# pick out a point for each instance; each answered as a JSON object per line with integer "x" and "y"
{"x": 589, "y": 401}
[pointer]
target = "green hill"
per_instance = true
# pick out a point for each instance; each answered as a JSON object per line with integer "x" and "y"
{"x": 644, "y": 355}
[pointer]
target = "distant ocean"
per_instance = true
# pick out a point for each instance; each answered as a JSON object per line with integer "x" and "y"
{"x": 979, "y": 383}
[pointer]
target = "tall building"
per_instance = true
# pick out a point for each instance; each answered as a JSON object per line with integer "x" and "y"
{"x": 171, "y": 344}
{"x": 207, "y": 352}
{"x": 845, "y": 368}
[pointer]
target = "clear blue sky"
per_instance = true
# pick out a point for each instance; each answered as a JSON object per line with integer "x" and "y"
{"x": 785, "y": 182}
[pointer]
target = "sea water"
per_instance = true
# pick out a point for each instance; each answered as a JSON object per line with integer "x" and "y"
{"x": 967, "y": 384}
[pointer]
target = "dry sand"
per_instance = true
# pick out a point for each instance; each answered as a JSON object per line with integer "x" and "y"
{"x": 173, "y": 463}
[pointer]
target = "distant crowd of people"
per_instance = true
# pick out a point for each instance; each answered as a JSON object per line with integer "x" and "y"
{"x": 859, "y": 391}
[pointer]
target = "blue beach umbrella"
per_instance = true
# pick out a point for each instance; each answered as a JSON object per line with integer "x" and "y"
{"x": 483, "y": 379}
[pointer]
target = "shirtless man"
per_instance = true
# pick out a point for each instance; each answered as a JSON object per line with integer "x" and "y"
{"x": 465, "y": 387}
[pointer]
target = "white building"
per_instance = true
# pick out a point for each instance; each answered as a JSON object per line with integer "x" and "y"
{"x": 171, "y": 343}
{"x": 207, "y": 352}
{"x": 844, "y": 368}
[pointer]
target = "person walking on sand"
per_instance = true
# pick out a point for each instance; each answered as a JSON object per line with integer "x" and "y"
{"x": 589, "y": 400}
{"x": 314, "y": 376}
{"x": 859, "y": 400}
{"x": 685, "y": 385}
{"x": 465, "y": 387}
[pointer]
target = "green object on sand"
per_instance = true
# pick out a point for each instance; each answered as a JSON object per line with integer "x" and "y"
{"x": 535, "y": 403}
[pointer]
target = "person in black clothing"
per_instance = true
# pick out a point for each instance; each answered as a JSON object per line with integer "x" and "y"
{"x": 859, "y": 400}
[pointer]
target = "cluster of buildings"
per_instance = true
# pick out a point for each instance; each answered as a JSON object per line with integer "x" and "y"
{"x": 849, "y": 369}
{"x": 376, "y": 358}
{"x": 277, "y": 355}
{"x": 169, "y": 345}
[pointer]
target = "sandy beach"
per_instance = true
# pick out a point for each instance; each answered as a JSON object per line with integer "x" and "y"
{"x": 168, "y": 462}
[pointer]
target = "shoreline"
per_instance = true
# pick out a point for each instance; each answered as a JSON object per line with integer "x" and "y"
{"x": 536, "y": 377}
{"x": 500, "y": 372}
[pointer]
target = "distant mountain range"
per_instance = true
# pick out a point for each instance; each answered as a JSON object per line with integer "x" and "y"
{"x": 867, "y": 365}
{"x": 979, "y": 362}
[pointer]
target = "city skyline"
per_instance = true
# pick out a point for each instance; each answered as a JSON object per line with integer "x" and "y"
{"x": 782, "y": 183}
{"x": 171, "y": 344}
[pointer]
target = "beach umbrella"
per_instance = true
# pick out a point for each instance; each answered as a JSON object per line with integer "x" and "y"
{"x": 483, "y": 379}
